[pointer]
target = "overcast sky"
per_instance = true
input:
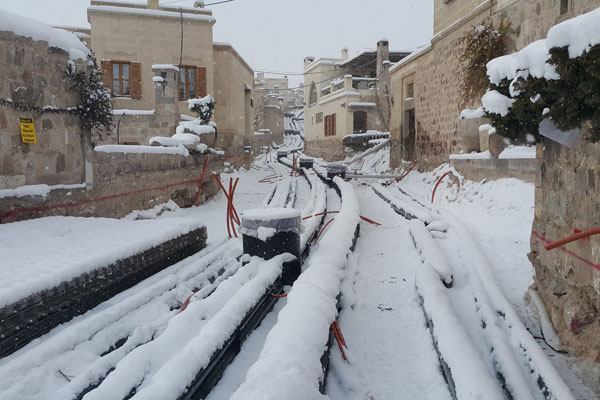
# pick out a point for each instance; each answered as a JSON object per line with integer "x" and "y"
{"x": 277, "y": 34}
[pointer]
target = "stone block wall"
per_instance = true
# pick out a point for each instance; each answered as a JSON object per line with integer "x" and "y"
{"x": 491, "y": 169}
{"x": 123, "y": 183}
{"x": 32, "y": 73}
{"x": 568, "y": 279}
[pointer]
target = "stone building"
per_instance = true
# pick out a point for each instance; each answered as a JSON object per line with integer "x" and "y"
{"x": 426, "y": 84}
{"x": 33, "y": 85}
{"x": 344, "y": 96}
{"x": 159, "y": 35}
{"x": 425, "y": 127}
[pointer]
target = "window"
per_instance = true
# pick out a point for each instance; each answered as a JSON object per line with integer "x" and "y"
{"x": 410, "y": 90}
{"x": 319, "y": 117}
{"x": 330, "y": 125}
{"x": 120, "y": 79}
{"x": 187, "y": 82}
{"x": 312, "y": 94}
{"x": 360, "y": 122}
{"x": 564, "y": 6}
{"x": 124, "y": 78}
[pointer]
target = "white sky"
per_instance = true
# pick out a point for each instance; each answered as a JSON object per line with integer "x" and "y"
{"x": 276, "y": 35}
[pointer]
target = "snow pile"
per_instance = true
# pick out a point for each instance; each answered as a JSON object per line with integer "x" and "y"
{"x": 289, "y": 366}
{"x": 152, "y": 213}
{"x": 178, "y": 139}
{"x": 468, "y": 113}
{"x": 579, "y": 33}
{"x": 136, "y": 149}
{"x": 533, "y": 60}
{"x": 497, "y": 103}
{"x": 37, "y": 30}
{"x": 37, "y": 190}
{"x": 194, "y": 126}
{"x": 77, "y": 245}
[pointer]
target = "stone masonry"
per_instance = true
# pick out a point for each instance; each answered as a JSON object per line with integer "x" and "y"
{"x": 568, "y": 278}
{"x": 32, "y": 73}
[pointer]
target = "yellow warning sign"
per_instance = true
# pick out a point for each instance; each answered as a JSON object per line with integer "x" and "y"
{"x": 27, "y": 130}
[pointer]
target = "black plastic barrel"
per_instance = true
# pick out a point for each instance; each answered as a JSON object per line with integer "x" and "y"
{"x": 269, "y": 232}
{"x": 336, "y": 170}
{"x": 306, "y": 163}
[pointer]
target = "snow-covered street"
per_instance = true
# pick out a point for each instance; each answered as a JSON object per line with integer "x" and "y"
{"x": 442, "y": 291}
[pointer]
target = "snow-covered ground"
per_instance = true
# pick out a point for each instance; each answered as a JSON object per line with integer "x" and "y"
{"x": 391, "y": 351}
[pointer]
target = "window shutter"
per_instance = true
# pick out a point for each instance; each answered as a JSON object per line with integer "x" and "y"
{"x": 333, "y": 132}
{"x": 200, "y": 82}
{"x": 135, "y": 76}
{"x": 106, "y": 68}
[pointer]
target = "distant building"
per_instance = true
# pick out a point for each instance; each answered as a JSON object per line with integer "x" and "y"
{"x": 129, "y": 39}
{"x": 344, "y": 96}
{"x": 273, "y": 98}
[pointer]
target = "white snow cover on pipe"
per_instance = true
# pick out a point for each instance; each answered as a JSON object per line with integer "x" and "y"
{"x": 431, "y": 254}
{"x": 289, "y": 366}
{"x": 400, "y": 201}
{"x": 167, "y": 365}
{"x": 537, "y": 360}
{"x": 316, "y": 204}
{"x": 37, "y": 30}
{"x": 469, "y": 372}
{"x": 579, "y": 33}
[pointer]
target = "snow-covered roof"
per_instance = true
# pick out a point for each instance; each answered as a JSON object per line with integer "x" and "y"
{"x": 165, "y": 66}
{"x": 151, "y": 13}
{"x": 37, "y": 30}
{"x": 416, "y": 53}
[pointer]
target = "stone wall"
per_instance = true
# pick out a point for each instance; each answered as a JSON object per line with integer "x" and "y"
{"x": 568, "y": 278}
{"x": 32, "y": 73}
{"x": 492, "y": 169}
{"x": 437, "y": 73}
{"x": 123, "y": 183}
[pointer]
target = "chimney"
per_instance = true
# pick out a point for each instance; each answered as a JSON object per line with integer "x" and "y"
{"x": 345, "y": 53}
{"x": 153, "y": 4}
{"x": 383, "y": 54}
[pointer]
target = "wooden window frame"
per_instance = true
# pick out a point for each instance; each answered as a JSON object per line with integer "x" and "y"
{"x": 329, "y": 127}
{"x": 120, "y": 79}
{"x": 190, "y": 70}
